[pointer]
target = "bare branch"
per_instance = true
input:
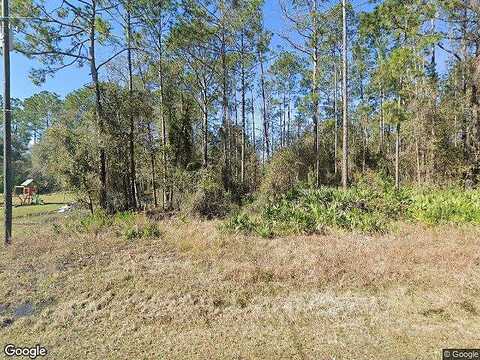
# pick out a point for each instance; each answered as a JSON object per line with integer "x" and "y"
{"x": 113, "y": 57}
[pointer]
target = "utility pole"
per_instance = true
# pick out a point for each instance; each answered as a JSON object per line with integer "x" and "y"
{"x": 7, "y": 128}
{"x": 345, "y": 100}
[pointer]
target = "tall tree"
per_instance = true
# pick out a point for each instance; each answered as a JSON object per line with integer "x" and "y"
{"x": 41, "y": 110}
{"x": 64, "y": 35}
{"x": 156, "y": 19}
{"x": 345, "y": 97}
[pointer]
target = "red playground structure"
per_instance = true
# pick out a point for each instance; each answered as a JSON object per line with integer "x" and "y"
{"x": 26, "y": 192}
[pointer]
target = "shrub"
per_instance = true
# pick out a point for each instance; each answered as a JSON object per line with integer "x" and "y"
{"x": 149, "y": 230}
{"x": 369, "y": 206}
{"x": 125, "y": 218}
{"x": 240, "y": 222}
{"x": 312, "y": 210}
{"x": 210, "y": 198}
{"x": 94, "y": 222}
{"x": 287, "y": 168}
{"x": 446, "y": 206}
{"x": 379, "y": 190}
{"x": 129, "y": 224}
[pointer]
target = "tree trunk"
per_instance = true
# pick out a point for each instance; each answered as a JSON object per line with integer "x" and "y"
{"x": 152, "y": 163}
{"x": 133, "y": 178}
{"x": 363, "y": 128}
{"x": 298, "y": 129}
{"x": 89, "y": 195}
{"x": 154, "y": 181}
{"x": 284, "y": 119}
{"x": 335, "y": 117}
{"x": 164, "y": 134}
{"x": 7, "y": 128}
{"x": 205, "y": 130}
{"x": 225, "y": 124}
{"x": 345, "y": 100}
{"x": 397, "y": 157}
{"x": 315, "y": 95}
{"x": 242, "y": 172}
{"x": 254, "y": 145}
{"x": 264, "y": 101}
{"x": 417, "y": 153}
{"x": 464, "y": 84}
{"x": 289, "y": 121}
{"x": 99, "y": 113}
{"x": 475, "y": 103}
{"x": 234, "y": 135}
{"x": 382, "y": 123}
{"x": 364, "y": 147}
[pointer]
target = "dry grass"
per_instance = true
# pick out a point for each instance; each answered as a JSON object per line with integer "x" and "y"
{"x": 195, "y": 293}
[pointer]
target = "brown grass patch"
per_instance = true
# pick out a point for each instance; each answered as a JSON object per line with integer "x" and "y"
{"x": 197, "y": 293}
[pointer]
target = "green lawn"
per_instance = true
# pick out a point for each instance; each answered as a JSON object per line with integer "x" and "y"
{"x": 59, "y": 197}
{"x": 51, "y": 203}
{"x": 28, "y": 218}
{"x": 31, "y": 210}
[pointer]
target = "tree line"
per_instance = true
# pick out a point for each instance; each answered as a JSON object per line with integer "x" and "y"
{"x": 184, "y": 94}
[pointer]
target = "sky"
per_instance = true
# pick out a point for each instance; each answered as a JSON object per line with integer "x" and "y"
{"x": 73, "y": 77}
{"x": 64, "y": 81}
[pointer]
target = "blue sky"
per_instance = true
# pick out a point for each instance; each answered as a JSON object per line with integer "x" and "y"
{"x": 63, "y": 82}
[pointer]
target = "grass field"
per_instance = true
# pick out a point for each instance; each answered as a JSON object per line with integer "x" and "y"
{"x": 194, "y": 292}
{"x": 24, "y": 216}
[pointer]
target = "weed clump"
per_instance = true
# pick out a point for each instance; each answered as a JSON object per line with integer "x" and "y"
{"x": 149, "y": 230}
{"x": 128, "y": 224}
{"x": 95, "y": 222}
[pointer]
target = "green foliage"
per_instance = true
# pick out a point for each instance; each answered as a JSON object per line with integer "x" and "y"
{"x": 95, "y": 222}
{"x": 129, "y": 147}
{"x": 394, "y": 112}
{"x": 240, "y": 222}
{"x": 128, "y": 224}
{"x": 210, "y": 199}
{"x": 41, "y": 111}
{"x": 149, "y": 230}
{"x": 287, "y": 168}
{"x": 67, "y": 154}
{"x": 134, "y": 226}
{"x": 446, "y": 206}
{"x": 37, "y": 200}
{"x": 369, "y": 207}
{"x": 313, "y": 210}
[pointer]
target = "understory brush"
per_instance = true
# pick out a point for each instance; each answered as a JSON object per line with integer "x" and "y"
{"x": 314, "y": 210}
{"x": 210, "y": 199}
{"x": 446, "y": 206}
{"x": 371, "y": 206}
{"x": 128, "y": 224}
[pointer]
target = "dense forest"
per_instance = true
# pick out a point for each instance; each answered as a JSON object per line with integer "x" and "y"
{"x": 198, "y": 105}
